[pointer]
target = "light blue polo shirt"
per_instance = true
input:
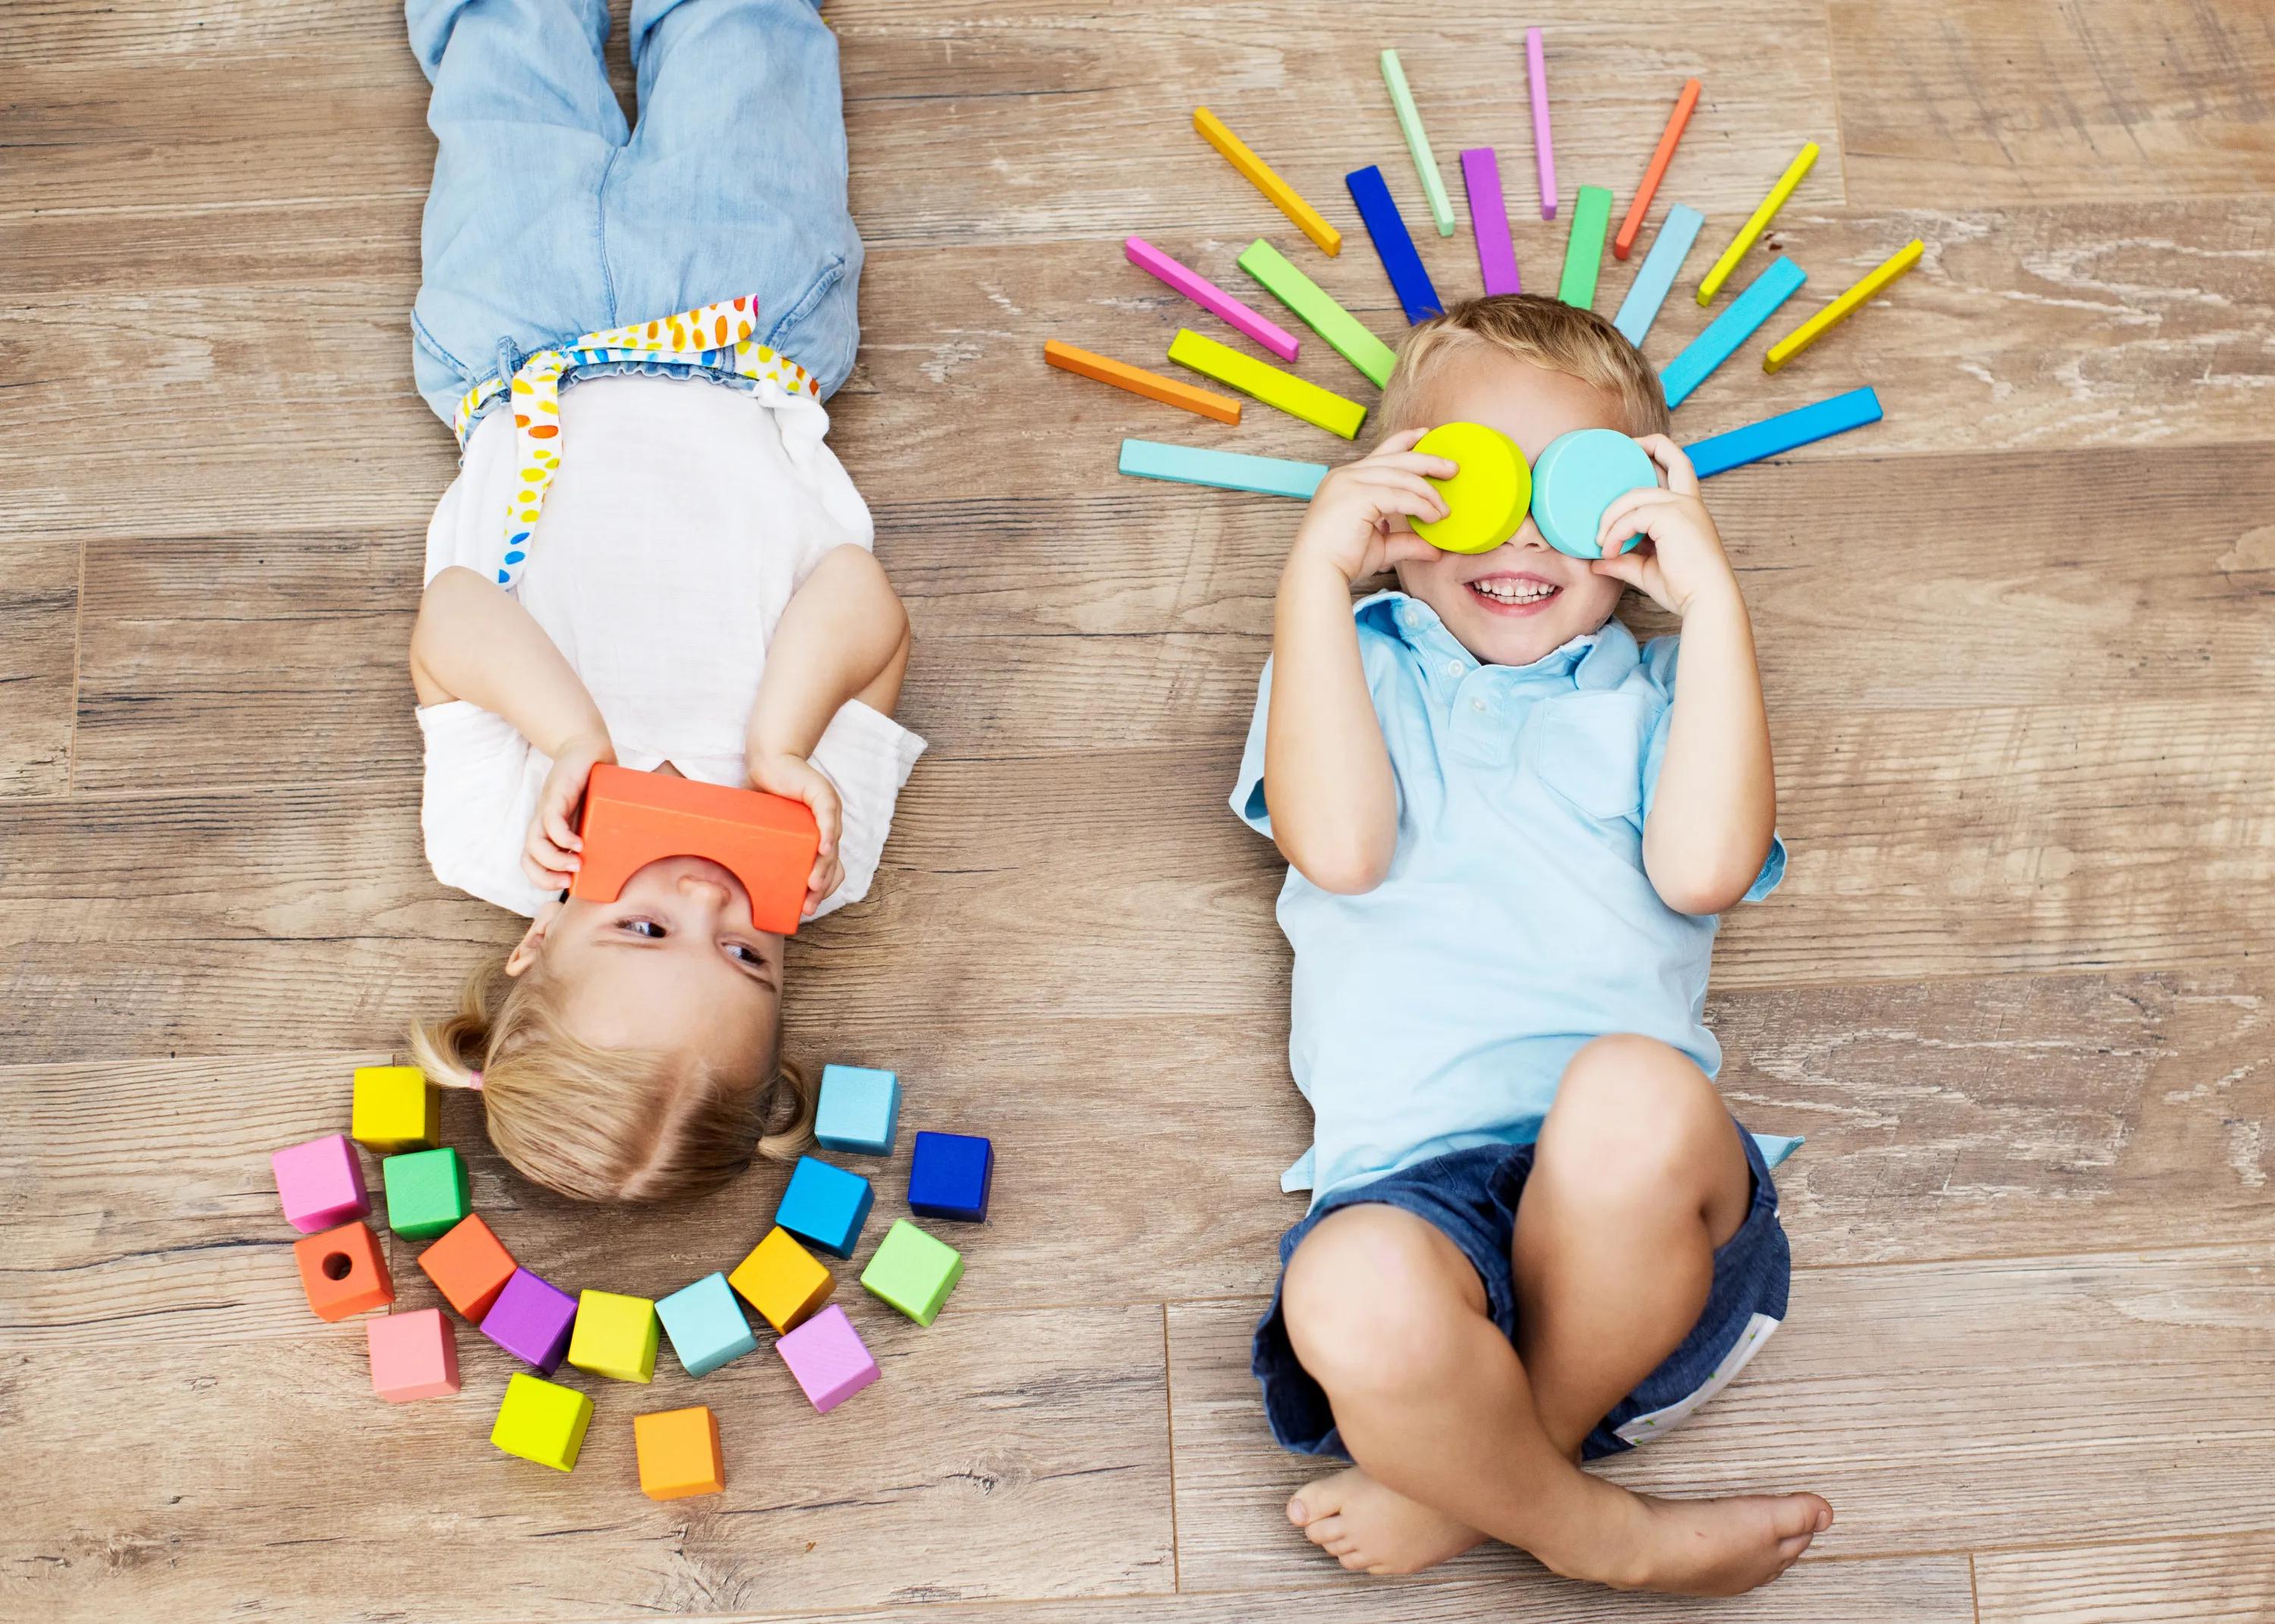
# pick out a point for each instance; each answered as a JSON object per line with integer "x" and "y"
{"x": 1439, "y": 1011}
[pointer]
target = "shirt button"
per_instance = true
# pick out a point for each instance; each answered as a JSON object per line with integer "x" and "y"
{"x": 1476, "y": 704}
{"x": 1453, "y": 667}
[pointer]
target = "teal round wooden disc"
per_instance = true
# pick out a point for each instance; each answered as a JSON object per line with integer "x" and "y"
{"x": 1575, "y": 477}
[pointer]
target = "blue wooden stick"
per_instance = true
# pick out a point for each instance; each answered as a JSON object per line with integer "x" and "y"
{"x": 1393, "y": 245}
{"x": 1687, "y": 371}
{"x": 1640, "y": 308}
{"x": 1787, "y": 431}
{"x": 1231, "y": 471}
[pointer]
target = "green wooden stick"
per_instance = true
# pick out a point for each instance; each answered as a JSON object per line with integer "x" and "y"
{"x": 1584, "y": 254}
{"x": 1320, "y": 313}
{"x": 1426, "y": 164}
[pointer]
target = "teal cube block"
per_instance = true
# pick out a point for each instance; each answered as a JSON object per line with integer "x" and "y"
{"x": 427, "y": 1192}
{"x": 705, "y": 1324}
{"x": 860, "y": 1106}
{"x": 826, "y": 1205}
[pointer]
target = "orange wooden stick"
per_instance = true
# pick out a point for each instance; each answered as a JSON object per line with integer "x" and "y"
{"x": 1652, "y": 177}
{"x": 1137, "y": 380}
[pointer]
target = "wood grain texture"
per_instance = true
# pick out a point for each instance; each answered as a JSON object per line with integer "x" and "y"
{"x": 2152, "y": 1582}
{"x": 1016, "y": 1455}
{"x": 1919, "y": 1400}
{"x": 2026, "y": 99}
{"x": 39, "y": 645}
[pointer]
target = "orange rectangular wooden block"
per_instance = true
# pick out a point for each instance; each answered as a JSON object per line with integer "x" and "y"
{"x": 469, "y": 1266}
{"x": 678, "y": 1453}
{"x": 1137, "y": 380}
{"x": 344, "y": 1272}
{"x": 632, "y": 820}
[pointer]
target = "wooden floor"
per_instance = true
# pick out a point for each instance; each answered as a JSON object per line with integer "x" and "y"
{"x": 2018, "y": 641}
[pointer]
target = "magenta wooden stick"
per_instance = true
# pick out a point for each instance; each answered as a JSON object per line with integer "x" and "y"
{"x": 1489, "y": 219}
{"x": 1544, "y": 149}
{"x": 1210, "y": 297}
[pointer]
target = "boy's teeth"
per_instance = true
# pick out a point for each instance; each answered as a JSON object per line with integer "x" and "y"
{"x": 1514, "y": 592}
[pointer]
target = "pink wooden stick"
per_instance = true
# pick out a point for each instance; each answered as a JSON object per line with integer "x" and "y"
{"x": 1210, "y": 297}
{"x": 1489, "y": 219}
{"x": 1544, "y": 150}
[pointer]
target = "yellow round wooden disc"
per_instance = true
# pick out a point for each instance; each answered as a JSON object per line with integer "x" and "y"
{"x": 1487, "y": 498}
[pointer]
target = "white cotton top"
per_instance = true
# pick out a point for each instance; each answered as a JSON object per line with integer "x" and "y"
{"x": 684, "y": 515}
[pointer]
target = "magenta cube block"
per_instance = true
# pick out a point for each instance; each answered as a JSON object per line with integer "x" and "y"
{"x": 827, "y": 1356}
{"x": 320, "y": 1183}
{"x": 532, "y": 1321}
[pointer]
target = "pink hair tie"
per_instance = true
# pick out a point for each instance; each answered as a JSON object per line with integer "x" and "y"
{"x": 474, "y": 1081}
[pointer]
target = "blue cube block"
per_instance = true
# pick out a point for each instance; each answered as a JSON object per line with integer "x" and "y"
{"x": 860, "y": 1107}
{"x": 705, "y": 1324}
{"x": 826, "y": 1205}
{"x": 949, "y": 1175}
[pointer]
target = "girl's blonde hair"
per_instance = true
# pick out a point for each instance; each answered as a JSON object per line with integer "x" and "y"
{"x": 1547, "y": 332}
{"x": 628, "y": 1125}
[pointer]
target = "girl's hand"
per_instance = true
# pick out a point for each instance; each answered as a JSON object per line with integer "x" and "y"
{"x": 549, "y": 858}
{"x": 1356, "y": 522}
{"x": 799, "y": 780}
{"x": 1680, "y": 562}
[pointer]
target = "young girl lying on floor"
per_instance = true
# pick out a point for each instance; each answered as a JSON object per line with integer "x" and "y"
{"x": 649, "y": 556}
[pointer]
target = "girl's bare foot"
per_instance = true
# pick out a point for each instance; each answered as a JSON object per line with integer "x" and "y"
{"x": 1722, "y": 1547}
{"x": 1372, "y": 1530}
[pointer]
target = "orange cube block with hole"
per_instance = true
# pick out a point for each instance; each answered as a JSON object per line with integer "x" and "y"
{"x": 679, "y": 1453}
{"x": 469, "y": 1266}
{"x": 344, "y": 1272}
{"x": 633, "y": 819}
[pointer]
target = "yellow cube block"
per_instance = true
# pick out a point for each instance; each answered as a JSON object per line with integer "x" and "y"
{"x": 396, "y": 1109}
{"x": 615, "y": 1336}
{"x": 542, "y": 1420}
{"x": 782, "y": 1280}
{"x": 679, "y": 1453}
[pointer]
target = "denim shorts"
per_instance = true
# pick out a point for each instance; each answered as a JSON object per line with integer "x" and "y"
{"x": 551, "y": 217}
{"x": 1471, "y": 1198}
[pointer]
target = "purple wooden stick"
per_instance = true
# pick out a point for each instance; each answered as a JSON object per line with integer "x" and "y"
{"x": 1210, "y": 297}
{"x": 1489, "y": 219}
{"x": 1544, "y": 149}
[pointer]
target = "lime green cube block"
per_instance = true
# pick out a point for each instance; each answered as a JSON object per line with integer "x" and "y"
{"x": 913, "y": 1272}
{"x": 542, "y": 1420}
{"x": 395, "y": 1108}
{"x": 427, "y": 1192}
{"x": 615, "y": 1336}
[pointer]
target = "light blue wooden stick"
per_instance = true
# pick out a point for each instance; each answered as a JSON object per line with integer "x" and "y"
{"x": 1656, "y": 274}
{"x": 1687, "y": 371}
{"x": 1785, "y": 432}
{"x": 1231, "y": 471}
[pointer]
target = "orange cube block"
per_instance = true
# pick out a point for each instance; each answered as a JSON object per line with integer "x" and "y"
{"x": 632, "y": 820}
{"x": 468, "y": 1266}
{"x": 679, "y": 1453}
{"x": 344, "y": 1272}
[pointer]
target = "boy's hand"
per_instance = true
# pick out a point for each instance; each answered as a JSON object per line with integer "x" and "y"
{"x": 799, "y": 780}
{"x": 1356, "y": 522}
{"x": 1680, "y": 563}
{"x": 549, "y": 858}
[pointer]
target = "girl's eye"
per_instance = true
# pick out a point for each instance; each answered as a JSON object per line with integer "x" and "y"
{"x": 643, "y": 927}
{"x": 746, "y": 954}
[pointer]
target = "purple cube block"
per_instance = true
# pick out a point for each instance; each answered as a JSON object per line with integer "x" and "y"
{"x": 320, "y": 1183}
{"x": 532, "y": 1321}
{"x": 826, "y": 1357}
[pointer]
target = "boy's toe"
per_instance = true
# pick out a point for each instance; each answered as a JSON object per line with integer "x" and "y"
{"x": 1324, "y": 1530}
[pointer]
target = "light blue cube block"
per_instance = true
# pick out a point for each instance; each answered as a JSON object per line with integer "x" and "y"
{"x": 860, "y": 1107}
{"x": 826, "y": 1205}
{"x": 705, "y": 1324}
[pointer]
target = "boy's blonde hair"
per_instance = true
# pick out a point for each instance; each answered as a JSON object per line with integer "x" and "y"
{"x": 1547, "y": 332}
{"x": 627, "y": 1125}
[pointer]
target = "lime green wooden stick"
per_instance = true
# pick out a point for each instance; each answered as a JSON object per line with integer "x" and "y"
{"x": 1425, "y": 162}
{"x": 1318, "y": 312}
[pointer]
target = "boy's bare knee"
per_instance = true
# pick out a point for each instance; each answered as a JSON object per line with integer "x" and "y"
{"x": 1637, "y": 1112}
{"x": 1375, "y": 1296}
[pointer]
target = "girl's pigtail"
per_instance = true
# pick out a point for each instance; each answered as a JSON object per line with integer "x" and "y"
{"x": 452, "y": 1051}
{"x": 786, "y": 1106}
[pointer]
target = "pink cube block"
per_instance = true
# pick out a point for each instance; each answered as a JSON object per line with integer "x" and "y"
{"x": 320, "y": 1183}
{"x": 413, "y": 1356}
{"x": 826, "y": 1357}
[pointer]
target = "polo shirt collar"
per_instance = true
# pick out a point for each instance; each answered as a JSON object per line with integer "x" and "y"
{"x": 1598, "y": 659}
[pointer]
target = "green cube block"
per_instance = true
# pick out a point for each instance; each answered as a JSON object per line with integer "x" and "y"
{"x": 425, "y": 1193}
{"x": 542, "y": 1420}
{"x": 913, "y": 1272}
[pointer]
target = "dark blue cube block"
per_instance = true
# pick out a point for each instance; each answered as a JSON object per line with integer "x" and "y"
{"x": 949, "y": 1175}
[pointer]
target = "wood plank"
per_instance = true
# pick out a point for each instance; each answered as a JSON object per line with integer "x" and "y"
{"x": 2013, "y": 101}
{"x": 38, "y": 633}
{"x": 1016, "y": 1456}
{"x": 2150, "y": 1582}
{"x": 1926, "y": 1402}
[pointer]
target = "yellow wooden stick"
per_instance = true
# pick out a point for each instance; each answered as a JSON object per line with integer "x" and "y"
{"x": 1840, "y": 309}
{"x": 1296, "y": 397}
{"x": 1284, "y": 197}
{"x": 1756, "y": 223}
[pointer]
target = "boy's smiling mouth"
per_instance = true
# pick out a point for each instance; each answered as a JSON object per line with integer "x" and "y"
{"x": 1514, "y": 592}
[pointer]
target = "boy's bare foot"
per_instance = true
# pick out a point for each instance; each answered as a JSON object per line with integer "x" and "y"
{"x": 1372, "y": 1530}
{"x": 1722, "y": 1547}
